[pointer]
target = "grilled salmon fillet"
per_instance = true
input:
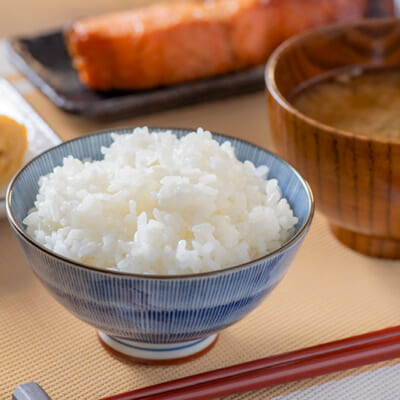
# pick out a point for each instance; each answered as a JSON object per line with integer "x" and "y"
{"x": 169, "y": 43}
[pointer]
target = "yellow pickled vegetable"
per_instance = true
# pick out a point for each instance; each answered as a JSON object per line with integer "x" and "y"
{"x": 13, "y": 145}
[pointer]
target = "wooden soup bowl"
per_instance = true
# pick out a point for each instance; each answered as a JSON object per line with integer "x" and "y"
{"x": 355, "y": 179}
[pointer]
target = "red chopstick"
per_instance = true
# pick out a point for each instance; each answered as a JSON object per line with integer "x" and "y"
{"x": 300, "y": 364}
{"x": 307, "y": 368}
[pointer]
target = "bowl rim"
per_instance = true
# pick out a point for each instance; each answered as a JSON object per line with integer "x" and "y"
{"x": 272, "y": 88}
{"x": 289, "y": 243}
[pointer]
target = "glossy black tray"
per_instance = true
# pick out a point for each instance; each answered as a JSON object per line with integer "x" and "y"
{"x": 44, "y": 60}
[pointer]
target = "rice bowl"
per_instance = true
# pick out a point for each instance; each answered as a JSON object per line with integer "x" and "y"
{"x": 161, "y": 319}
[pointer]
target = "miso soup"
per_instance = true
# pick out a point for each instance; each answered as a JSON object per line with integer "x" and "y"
{"x": 361, "y": 102}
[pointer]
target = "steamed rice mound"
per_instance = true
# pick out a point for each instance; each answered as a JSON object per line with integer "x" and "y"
{"x": 157, "y": 204}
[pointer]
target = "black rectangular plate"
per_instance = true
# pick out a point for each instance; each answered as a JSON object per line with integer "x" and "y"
{"x": 44, "y": 60}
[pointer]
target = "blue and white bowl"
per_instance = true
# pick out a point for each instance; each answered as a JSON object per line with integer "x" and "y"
{"x": 157, "y": 318}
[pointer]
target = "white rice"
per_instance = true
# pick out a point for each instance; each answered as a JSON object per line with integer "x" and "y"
{"x": 159, "y": 205}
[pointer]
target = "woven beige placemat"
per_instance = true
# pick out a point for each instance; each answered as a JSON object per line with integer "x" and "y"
{"x": 330, "y": 292}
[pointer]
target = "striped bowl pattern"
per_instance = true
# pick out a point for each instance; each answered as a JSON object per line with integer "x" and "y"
{"x": 355, "y": 179}
{"x": 156, "y": 309}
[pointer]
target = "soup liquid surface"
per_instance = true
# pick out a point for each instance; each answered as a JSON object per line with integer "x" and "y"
{"x": 367, "y": 104}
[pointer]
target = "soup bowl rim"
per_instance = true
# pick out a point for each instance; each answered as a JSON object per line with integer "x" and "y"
{"x": 270, "y": 73}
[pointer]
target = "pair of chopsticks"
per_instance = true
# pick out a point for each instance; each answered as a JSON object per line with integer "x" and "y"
{"x": 310, "y": 362}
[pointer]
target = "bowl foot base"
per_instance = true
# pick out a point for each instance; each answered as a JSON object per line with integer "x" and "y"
{"x": 374, "y": 246}
{"x": 157, "y": 354}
